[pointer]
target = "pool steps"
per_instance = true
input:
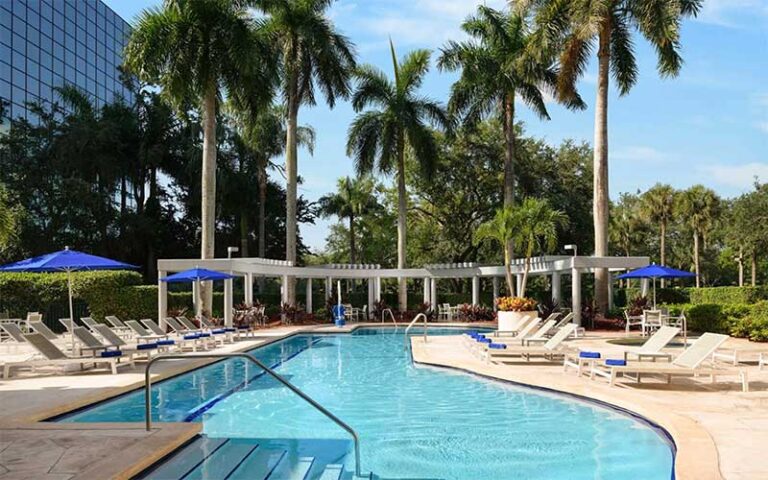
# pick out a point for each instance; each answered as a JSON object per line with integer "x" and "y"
{"x": 250, "y": 459}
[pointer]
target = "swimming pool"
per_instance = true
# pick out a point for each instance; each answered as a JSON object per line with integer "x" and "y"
{"x": 414, "y": 422}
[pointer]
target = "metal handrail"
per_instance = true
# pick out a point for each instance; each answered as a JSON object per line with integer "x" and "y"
{"x": 415, "y": 319}
{"x": 391, "y": 315}
{"x": 272, "y": 373}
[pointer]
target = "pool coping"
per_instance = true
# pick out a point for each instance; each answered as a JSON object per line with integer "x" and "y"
{"x": 695, "y": 452}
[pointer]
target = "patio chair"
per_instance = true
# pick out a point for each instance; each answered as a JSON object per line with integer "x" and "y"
{"x": 53, "y": 356}
{"x": 550, "y": 351}
{"x": 651, "y": 321}
{"x": 632, "y": 321}
{"x": 444, "y": 312}
{"x": 689, "y": 363}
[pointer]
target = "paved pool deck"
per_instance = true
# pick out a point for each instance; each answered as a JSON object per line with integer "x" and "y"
{"x": 720, "y": 431}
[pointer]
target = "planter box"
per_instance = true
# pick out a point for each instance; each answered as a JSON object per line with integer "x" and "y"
{"x": 509, "y": 320}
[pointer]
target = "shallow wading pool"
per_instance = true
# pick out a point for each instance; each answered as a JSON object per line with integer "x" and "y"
{"x": 414, "y": 422}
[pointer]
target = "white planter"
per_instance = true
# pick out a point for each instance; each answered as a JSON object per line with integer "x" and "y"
{"x": 509, "y": 320}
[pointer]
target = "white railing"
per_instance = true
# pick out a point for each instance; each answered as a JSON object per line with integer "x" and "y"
{"x": 413, "y": 322}
{"x": 391, "y": 315}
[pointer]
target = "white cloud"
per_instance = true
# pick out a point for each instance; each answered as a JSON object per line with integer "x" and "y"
{"x": 732, "y": 13}
{"x": 639, "y": 153}
{"x": 763, "y": 126}
{"x": 739, "y": 176}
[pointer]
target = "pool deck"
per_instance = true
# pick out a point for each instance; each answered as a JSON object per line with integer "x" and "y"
{"x": 720, "y": 432}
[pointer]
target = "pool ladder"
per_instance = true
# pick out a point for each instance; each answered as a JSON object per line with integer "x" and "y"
{"x": 413, "y": 322}
{"x": 272, "y": 373}
{"x": 391, "y": 315}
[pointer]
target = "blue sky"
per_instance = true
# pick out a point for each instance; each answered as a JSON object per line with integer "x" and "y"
{"x": 709, "y": 125}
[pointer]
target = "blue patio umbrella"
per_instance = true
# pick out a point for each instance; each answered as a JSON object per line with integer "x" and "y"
{"x": 196, "y": 275}
{"x": 66, "y": 261}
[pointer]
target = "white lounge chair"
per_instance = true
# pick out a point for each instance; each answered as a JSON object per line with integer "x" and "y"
{"x": 186, "y": 341}
{"x": 142, "y": 334}
{"x": 111, "y": 337}
{"x": 652, "y": 347}
{"x": 218, "y": 334}
{"x": 551, "y": 350}
{"x": 92, "y": 344}
{"x": 13, "y": 331}
{"x": 53, "y": 356}
{"x": 516, "y": 328}
{"x": 689, "y": 363}
{"x": 478, "y": 345}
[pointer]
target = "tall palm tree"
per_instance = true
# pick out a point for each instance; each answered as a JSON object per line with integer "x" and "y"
{"x": 353, "y": 198}
{"x": 537, "y": 226}
{"x": 400, "y": 120}
{"x": 503, "y": 228}
{"x": 657, "y": 205}
{"x": 701, "y": 208}
{"x": 195, "y": 50}
{"x": 314, "y": 55}
{"x": 609, "y": 24}
{"x": 499, "y": 63}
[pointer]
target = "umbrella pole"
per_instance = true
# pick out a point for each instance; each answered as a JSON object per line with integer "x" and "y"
{"x": 71, "y": 311}
{"x": 654, "y": 293}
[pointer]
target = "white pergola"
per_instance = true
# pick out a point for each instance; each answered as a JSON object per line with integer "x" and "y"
{"x": 553, "y": 266}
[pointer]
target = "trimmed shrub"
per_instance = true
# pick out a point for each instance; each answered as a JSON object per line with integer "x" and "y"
{"x": 702, "y": 318}
{"x": 754, "y": 324}
{"x": 728, "y": 295}
{"x": 624, "y": 296}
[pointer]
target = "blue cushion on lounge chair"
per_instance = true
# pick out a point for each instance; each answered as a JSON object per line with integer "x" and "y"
{"x": 472, "y": 333}
{"x": 146, "y": 346}
{"x": 244, "y": 328}
{"x": 589, "y": 354}
{"x": 484, "y": 340}
{"x": 191, "y": 336}
{"x": 203, "y": 335}
{"x": 164, "y": 343}
{"x": 111, "y": 353}
{"x": 230, "y": 329}
{"x": 615, "y": 362}
{"x": 497, "y": 346}
{"x": 218, "y": 331}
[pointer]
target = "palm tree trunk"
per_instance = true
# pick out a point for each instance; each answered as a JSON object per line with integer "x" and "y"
{"x": 208, "y": 214}
{"x": 262, "y": 221}
{"x": 244, "y": 231}
{"x": 741, "y": 266}
{"x": 291, "y": 172}
{"x": 600, "y": 192}
{"x": 509, "y": 161}
{"x": 508, "y": 274}
{"x": 352, "y": 257}
{"x": 696, "y": 257}
{"x": 663, "y": 246}
{"x": 402, "y": 293}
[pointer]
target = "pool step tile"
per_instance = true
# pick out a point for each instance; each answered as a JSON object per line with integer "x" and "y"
{"x": 224, "y": 461}
{"x": 332, "y": 472}
{"x": 290, "y": 469}
{"x": 187, "y": 460}
{"x": 259, "y": 465}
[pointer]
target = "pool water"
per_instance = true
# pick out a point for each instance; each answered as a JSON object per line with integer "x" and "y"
{"x": 414, "y": 422}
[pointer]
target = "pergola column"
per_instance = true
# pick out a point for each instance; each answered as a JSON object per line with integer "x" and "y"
{"x": 284, "y": 289}
{"x": 196, "y": 298}
{"x": 309, "y": 295}
{"x": 228, "y": 293}
{"x": 433, "y": 292}
{"x": 427, "y": 291}
{"x": 576, "y": 295}
{"x": 519, "y": 283}
{"x": 495, "y": 292}
{"x": 248, "y": 289}
{"x": 371, "y": 295}
{"x": 162, "y": 299}
{"x": 328, "y": 287}
{"x": 377, "y": 289}
{"x": 556, "y": 288}
{"x": 644, "y": 287}
{"x": 475, "y": 290}
{"x": 610, "y": 291}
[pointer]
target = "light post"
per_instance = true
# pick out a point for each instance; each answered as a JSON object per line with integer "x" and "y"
{"x": 573, "y": 247}
{"x": 231, "y": 250}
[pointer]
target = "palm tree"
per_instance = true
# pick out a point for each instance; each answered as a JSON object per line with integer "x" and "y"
{"x": 657, "y": 205}
{"x": 537, "y": 226}
{"x": 578, "y": 27}
{"x": 503, "y": 228}
{"x": 378, "y": 138}
{"x": 701, "y": 208}
{"x": 195, "y": 50}
{"x": 314, "y": 55}
{"x": 354, "y": 198}
{"x": 499, "y": 63}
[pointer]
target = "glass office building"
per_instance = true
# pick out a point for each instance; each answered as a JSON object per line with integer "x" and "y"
{"x": 45, "y": 44}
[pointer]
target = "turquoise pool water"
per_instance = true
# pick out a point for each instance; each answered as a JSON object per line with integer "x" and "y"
{"x": 414, "y": 422}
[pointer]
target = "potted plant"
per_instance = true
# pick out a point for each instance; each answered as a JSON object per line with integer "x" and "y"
{"x": 513, "y": 309}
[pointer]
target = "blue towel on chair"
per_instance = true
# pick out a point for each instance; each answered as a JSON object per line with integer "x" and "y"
{"x": 164, "y": 343}
{"x": 230, "y": 329}
{"x": 191, "y": 336}
{"x": 146, "y": 346}
{"x": 615, "y": 362}
{"x": 218, "y": 331}
{"x": 111, "y": 353}
{"x": 484, "y": 340}
{"x": 589, "y": 354}
{"x": 206, "y": 335}
{"x": 497, "y": 346}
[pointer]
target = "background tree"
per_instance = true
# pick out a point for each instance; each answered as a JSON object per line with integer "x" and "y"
{"x": 378, "y": 138}
{"x": 578, "y": 27}
{"x": 700, "y": 206}
{"x": 503, "y": 228}
{"x": 657, "y": 205}
{"x": 195, "y": 50}
{"x": 313, "y": 55}
{"x": 748, "y": 226}
{"x": 536, "y": 229}
{"x": 353, "y": 198}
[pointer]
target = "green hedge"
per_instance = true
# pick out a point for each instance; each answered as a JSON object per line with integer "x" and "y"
{"x": 623, "y": 296}
{"x": 738, "y": 319}
{"x": 728, "y": 295}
